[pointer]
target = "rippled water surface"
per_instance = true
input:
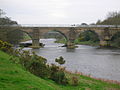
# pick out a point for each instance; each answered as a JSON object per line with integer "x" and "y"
{"x": 100, "y": 63}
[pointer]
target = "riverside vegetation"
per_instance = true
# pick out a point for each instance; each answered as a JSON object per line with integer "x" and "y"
{"x": 21, "y": 70}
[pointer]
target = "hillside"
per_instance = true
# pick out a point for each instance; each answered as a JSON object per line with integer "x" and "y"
{"x": 14, "y": 77}
{"x": 113, "y": 18}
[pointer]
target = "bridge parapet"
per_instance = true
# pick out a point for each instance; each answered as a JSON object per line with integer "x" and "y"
{"x": 67, "y": 25}
{"x": 61, "y": 25}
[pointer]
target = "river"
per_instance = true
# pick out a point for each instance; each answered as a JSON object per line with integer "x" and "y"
{"x": 99, "y": 63}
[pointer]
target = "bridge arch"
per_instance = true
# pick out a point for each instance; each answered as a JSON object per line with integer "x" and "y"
{"x": 61, "y": 33}
{"x": 19, "y": 31}
{"x": 89, "y": 30}
{"x": 115, "y": 36}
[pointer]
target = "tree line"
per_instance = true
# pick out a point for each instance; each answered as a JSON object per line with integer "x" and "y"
{"x": 113, "y": 18}
{"x": 13, "y": 37}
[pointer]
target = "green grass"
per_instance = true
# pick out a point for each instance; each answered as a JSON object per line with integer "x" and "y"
{"x": 14, "y": 77}
{"x": 115, "y": 44}
{"x": 79, "y": 42}
{"x": 87, "y": 43}
{"x": 26, "y": 37}
{"x": 61, "y": 41}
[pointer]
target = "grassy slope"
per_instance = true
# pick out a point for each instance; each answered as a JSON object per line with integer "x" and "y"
{"x": 13, "y": 77}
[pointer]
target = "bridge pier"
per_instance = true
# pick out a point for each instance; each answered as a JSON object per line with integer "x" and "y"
{"x": 35, "y": 38}
{"x": 105, "y": 38}
{"x": 71, "y": 38}
{"x": 105, "y": 42}
{"x": 35, "y": 43}
{"x": 70, "y": 45}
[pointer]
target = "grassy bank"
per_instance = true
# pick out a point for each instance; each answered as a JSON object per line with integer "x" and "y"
{"x": 115, "y": 44}
{"x": 87, "y": 43}
{"x": 25, "y": 38}
{"x": 79, "y": 42}
{"x": 61, "y": 41}
{"x": 15, "y": 77}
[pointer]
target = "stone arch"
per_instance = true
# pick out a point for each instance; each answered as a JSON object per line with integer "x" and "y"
{"x": 22, "y": 31}
{"x": 115, "y": 33}
{"x": 55, "y": 30}
{"x": 33, "y": 35}
{"x": 93, "y": 31}
{"x": 61, "y": 34}
{"x": 18, "y": 39}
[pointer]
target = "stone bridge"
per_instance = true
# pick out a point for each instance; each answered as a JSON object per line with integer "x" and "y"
{"x": 104, "y": 32}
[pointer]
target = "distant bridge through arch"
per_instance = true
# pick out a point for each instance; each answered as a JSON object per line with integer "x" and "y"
{"x": 104, "y": 32}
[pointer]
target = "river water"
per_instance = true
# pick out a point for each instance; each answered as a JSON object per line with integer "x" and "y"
{"x": 99, "y": 63}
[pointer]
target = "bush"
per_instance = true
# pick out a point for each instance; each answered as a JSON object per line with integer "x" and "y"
{"x": 58, "y": 75}
{"x": 6, "y": 47}
{"x": 60, "y": 60}
{"x": 60, "y": 78}
{"x": 75, "y": 81}
{"x": 39, "y": 69}
{"x": 35, "y": 64}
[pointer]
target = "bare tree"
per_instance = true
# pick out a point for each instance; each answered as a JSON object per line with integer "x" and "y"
{"x": 1, "y": 13}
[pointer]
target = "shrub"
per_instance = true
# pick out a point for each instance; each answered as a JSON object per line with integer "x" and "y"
{"x": 60, "y": 78}
{"x": 75, "y": 81}
{"x": 39, "y": 69}
{"x": 58, "y": 75}
{"x": 34, "y": 63}
{"x": 6, "y": 47}
{"x": 1, "y": 43}
{"x": 60, "y": 60}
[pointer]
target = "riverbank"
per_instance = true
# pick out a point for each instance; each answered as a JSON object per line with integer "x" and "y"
{"x": 91, "y": 43}
{"x": 15, "y": 76}
{"x": 25, "y": 38}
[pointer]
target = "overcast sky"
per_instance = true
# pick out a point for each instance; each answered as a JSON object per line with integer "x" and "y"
{"x": 58, "y": 11}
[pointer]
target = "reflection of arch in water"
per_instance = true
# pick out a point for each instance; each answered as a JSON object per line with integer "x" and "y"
{"x": 59, "y": 33}
{"x": 97, "y": 35}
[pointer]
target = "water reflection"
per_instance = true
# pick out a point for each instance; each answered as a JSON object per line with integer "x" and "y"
{"x": 70, "y": 50}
